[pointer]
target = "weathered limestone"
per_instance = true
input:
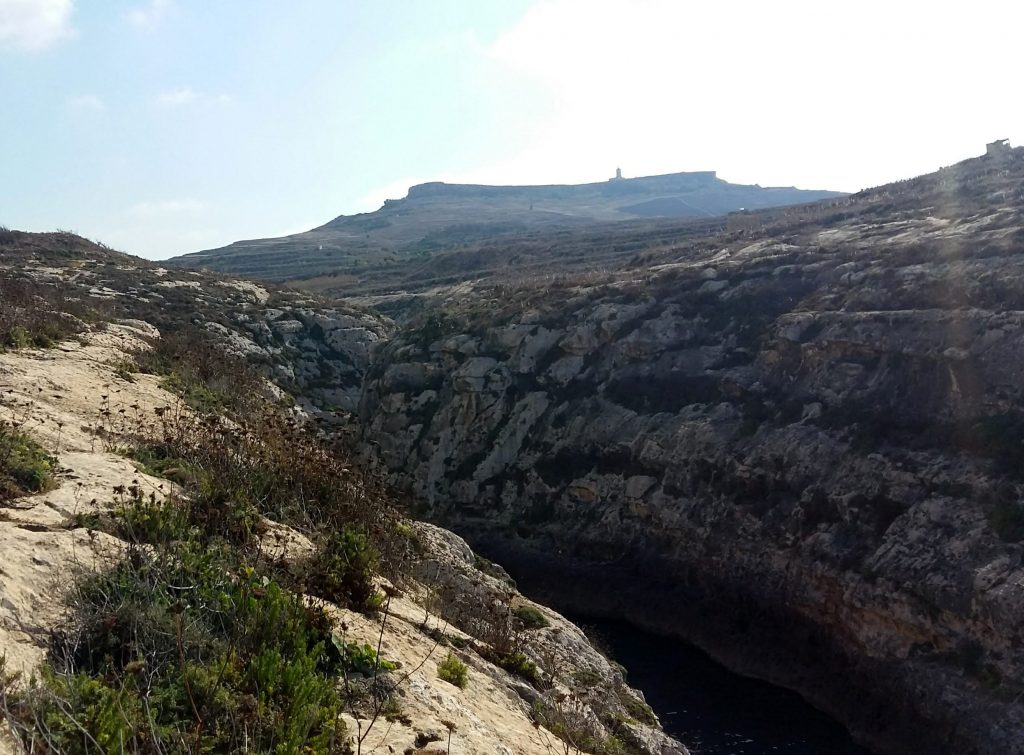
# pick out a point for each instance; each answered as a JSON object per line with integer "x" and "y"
{"x": 794, "y": 451}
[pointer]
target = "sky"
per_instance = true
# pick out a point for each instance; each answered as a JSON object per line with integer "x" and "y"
{"x": 161, "y": 127}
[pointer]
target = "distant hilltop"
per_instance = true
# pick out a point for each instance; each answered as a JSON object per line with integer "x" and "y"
{"x": 437, "y": 216}
{"x": 616, "y": 185}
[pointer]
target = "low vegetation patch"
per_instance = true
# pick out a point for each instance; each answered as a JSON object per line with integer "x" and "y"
{"x": 637, "y": 708}
{"x": 39, "y": 315}
{"x": 519, "y": 664}
{"x": 234, "y": 478}
{"x": 342, "y": 570}
{"x": 567, "y": 718}
{"x": 194, "y": 641}
{"x": 363, "y": 658}
{"x": 531, "y": 617}
{"x": 183, "y": 646}
{"x": 586, "y": 678}
{"x": 25, "y": 467}
{"x": 453, "y": 671}
{"x": 194, "y": 367}
{"x": 1007, "y": 519}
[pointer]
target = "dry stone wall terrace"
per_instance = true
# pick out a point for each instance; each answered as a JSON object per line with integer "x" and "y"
{"x": 801, "y": 451}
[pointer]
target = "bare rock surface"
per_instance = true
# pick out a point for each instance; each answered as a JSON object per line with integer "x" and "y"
{"x": 58, "y": 396}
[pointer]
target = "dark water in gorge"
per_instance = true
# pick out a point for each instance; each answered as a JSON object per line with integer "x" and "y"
{"x": 712, "y": 710}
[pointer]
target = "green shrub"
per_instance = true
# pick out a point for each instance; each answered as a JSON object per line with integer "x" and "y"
{"x": 25, "y": 467}
{"x": 410, "y": 535}
{"x": 432, "y": 327}
{"x": 157, "y": 460}
{"x": 212, "y": 515}
{"x": 139, "y": 519}
{"x": 518, "y": 663}
{"x": 342, "y": 568}
{"x": 17, "y": 338}
{"x": 226, "y": 510}
{"x": 362, "y": 658}
{"x": 637, "y": 708}
{"x": 125, "y": 369}
{"x": 612, "y": 745}
{"x": 587, "y": 678}
{"x": 531, "y": 617}
{"x": 453, "y": 671}
{"x": 179, "y": 647}
{"x": 197, "y": 395}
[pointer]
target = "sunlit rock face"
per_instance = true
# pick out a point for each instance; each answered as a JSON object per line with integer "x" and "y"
{"x": 312, "y": 347}
{"x": 797, "y": 443}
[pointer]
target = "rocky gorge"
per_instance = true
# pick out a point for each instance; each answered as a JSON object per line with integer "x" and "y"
{"x": 80, "y": 419}
{"x": 796, "y": 443}
{"x": 791, "y": 437}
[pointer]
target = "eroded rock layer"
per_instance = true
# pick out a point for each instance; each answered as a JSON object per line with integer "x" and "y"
{"x": 797, "y": 443}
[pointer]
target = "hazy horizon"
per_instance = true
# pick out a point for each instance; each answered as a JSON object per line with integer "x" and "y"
{"x": 162, "y": 127}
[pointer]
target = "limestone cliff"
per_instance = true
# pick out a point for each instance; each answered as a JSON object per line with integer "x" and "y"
{"x": 796, "y": 443}
{"x": 81, "y": 401}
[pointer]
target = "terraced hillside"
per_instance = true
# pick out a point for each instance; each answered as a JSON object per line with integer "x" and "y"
{"x": 438, "y": 217}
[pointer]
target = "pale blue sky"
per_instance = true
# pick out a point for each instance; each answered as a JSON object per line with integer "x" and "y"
{"x": 166, "y": 126}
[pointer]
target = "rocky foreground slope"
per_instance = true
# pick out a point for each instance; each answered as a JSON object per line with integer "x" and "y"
{"x": 85, "y": 403}
{"x": 797, "y": 443}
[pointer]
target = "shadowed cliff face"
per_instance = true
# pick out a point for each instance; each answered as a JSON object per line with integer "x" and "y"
{"x": 796, "y": 443}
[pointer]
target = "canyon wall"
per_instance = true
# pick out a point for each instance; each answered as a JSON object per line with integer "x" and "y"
{"x": 800, "y": 450}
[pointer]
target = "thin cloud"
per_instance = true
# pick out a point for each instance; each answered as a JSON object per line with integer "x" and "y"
{"x": 177, "y": 97}
{"x": 149, "y": 15}
{"x": 87, "y": 103}
{"x": 34, "y": 25}
{"x": 186, "y": 95}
